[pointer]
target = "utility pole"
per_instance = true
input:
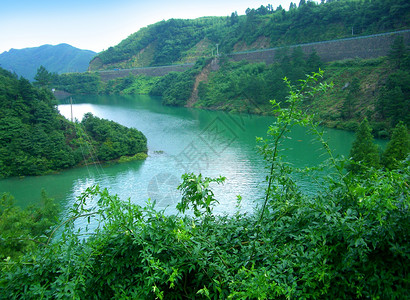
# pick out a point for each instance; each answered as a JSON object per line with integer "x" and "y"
{"x": 217, "y": 52}
{"x": 71, "y": 105}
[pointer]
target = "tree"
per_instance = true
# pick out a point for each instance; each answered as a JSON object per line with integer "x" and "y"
{"x": 393, "y": 103}
{"x": 234, "y": 18}
{"x": 364, "y": 153}
{"x": 397, "y": 52}
{"x": 398, "y": 148}
{"x": 292, "y": 6}
{"x": 43, "y": 77}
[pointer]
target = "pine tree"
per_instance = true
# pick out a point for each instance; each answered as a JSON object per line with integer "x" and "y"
{"x": 398, "y": 52}
{"x": 398, "y": 148}
{"x": 364, "y": 153}
{"x": 42, "y": 77}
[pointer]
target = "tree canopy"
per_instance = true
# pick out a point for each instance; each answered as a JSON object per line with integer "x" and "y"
{"x": 36, "y": 139}
{"x": 398, "y": 147}
{"x": 364, "y": 153}
{"x": 172, "y": 41}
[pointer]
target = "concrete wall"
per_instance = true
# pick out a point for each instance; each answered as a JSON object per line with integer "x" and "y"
{"x": 359, "y": 47}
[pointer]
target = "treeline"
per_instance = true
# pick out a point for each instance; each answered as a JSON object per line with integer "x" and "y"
{"x": 74, "y": 83}
{"x": 310, "y": 21}
{"x": 171, "y": 41}
{"x": 89, "y": 83}
{"x": 366, "y": 154}
{"x": 347, "y": 239}
{"x": 35, "y": 139}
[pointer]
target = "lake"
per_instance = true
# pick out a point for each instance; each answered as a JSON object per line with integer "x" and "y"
{"x": 179, "y": 140}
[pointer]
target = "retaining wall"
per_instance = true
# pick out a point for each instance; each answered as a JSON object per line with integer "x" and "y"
{"x": 358, "y": 47}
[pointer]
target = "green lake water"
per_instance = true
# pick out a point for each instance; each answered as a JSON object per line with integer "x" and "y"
{"x": 179, "y": 140}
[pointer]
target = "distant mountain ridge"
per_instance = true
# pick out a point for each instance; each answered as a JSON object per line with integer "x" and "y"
{"x": 62, "y": 58}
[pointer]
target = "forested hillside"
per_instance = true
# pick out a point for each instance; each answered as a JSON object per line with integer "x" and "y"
{"x": 58, "y": 59}
{"x": 176, "y": 41}
{"x": 35, "y": 139}
{"x": 374, "y": 88}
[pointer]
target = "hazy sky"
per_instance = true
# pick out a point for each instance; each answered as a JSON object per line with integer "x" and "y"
{"x": 98, "y": 24}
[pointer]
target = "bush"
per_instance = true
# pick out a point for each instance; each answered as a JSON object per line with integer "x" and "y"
{"x": 22, "y": 230}
{"x": 349, "y": 240}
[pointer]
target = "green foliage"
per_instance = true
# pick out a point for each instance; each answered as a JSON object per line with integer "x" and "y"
{"x": 138, "y": 156}
{"x": 24, "y": 230}
{"x": 32, "y": 139}
{"x": 176, "y": 88}
{"x": 399, "y": 54}
{"x": 347, "y": 240}
{"x": 35, "y": 139}
{"x": 393, "y": 102}
{"x": 197, "y": 192}
{"x": 112, "y": 140}
{"x": 171, "y": 41}
{"x": 398, "y": 147}
{"x": 245, "y": 87}
{"x": 169, "y": 38}
{"x": 132, "y": 85}
{"x": 78, "y": 83}
{"x": 90, "y": 83}
{"x": 372, "y": 89}
{"x": 364, "y": 153}
{"x": 351, "y": 99}
{"x": 43, "y": 77}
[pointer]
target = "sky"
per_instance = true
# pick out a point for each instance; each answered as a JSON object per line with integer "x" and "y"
{"x": 99, "y": 24}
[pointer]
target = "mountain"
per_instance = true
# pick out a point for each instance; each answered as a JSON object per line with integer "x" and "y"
{"x": 59, "y": 59}
{"x": 184, "y": 41}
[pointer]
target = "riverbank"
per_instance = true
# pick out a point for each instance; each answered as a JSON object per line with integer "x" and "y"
{"x": 361, "y": 88}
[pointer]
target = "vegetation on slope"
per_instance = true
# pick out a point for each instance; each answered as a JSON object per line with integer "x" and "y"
{"x": 35, "y": 139}
{"x": 247, "y": 87}
{"x": 175, "y": 40}
{"x": 348, "y": 240}
{"x": 377, "y": 89}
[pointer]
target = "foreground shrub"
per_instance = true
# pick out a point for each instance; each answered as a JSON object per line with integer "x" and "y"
{"x": 348, "y": 240}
